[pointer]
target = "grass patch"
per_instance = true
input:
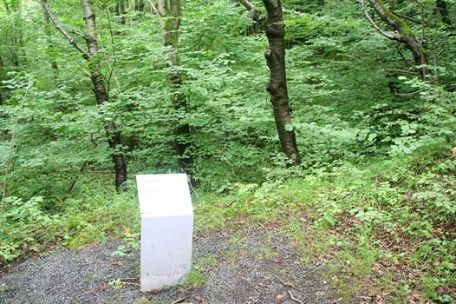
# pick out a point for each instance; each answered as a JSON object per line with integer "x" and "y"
{"x": 99, "y": 213}
{"x": 199, "y": 274}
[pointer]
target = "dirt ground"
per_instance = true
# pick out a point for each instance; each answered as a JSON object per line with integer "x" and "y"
{"x": 245, "y": 264}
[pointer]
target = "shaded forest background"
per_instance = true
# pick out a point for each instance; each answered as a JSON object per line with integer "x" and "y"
{"x": 371, "y": 87}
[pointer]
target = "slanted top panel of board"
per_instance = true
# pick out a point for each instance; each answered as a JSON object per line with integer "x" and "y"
{"x": 164, "y": 195}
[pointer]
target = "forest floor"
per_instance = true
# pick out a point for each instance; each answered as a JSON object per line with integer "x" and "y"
{"x": 246, "y": 263}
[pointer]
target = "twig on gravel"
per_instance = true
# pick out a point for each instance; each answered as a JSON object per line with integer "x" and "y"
{"x": 178, "y": 301}
{"x": 293, "y": 298}
{"x": 262, "y": 226}
{"x": 203, "y": 234}
{"x": 287, "y": 284}
{"x": 130, "y": 283}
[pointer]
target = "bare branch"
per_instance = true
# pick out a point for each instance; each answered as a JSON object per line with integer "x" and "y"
{"x": 154, "y": 8}
{"x": 60, "y": 28}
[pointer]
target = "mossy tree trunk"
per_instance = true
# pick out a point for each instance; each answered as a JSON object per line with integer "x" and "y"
{"x": 277, "y": 87}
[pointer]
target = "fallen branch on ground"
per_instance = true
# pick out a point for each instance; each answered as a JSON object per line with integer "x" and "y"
{"x": 293, "y": 298}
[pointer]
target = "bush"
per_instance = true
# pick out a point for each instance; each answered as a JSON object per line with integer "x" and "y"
{"x": 25, "y": 227}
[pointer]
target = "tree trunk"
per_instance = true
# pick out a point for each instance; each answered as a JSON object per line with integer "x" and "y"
{"x": 18, "y": 33}
{"x": 277, "y": 87}
{"x": 139, "y": 5}
{"x": 1, "y": 79}
{"x": 170, "y": 19}
{"x": 120, "y": 10}
{"x": 443, "y": 10}
{"x": 402, "y": 33}
{"x": 101, "y": 94}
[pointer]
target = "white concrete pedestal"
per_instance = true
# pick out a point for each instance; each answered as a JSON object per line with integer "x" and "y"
{"x": 166, "y": 229}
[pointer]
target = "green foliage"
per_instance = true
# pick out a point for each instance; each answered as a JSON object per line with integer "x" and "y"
{"x": 377, "y": 176}
{"x": 25, "y": 227}
{"x": 28, "y": 227}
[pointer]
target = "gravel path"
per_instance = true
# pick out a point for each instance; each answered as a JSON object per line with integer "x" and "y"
{"x": 247, "y": 264}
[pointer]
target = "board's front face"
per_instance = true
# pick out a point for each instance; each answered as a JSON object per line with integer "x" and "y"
{"x": 166, "y": 230}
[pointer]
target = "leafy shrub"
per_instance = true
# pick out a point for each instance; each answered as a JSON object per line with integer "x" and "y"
{"x": 25, "y": 227}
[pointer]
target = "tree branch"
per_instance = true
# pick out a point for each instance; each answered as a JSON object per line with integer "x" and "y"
{"x": 60, "y": 28}
{"x": 253, "y": 12}
{"x": 389, "y": 35}
{"x": 154, "y": 8}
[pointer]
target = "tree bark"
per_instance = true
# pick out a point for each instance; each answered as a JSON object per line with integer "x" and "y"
{"x": 101, "y": 93}
{"x": 443, "y": 10}
{"x": 401, "y": 33}
{"x": 277, "y": 87}
{"x": 170, "y": 19}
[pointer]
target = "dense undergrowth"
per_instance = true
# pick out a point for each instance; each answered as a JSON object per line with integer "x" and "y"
{"x": 28, "y": 228}
{"x": 384, "y": 226}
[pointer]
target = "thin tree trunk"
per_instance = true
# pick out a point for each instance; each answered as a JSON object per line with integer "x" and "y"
{"x": 120, "y": 10}
{"x": 12, "y": 9}
{"x": 18, "y": 35}
{"x": 99, "y": 86}
{"x": 101, "y": 94}
{"x": 170, "y": 18}
{"x": 50, "y": 45}
{"x": 1, "y": 79}
{"x": 443, "y": 10}
{"x": 139, "y": 5}
{"x": 401, "y": 32}
{"x": 277, "y": 87}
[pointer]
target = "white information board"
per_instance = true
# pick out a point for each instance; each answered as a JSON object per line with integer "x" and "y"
{"x": 166, "y": 229}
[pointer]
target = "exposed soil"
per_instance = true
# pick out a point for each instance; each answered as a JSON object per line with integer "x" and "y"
{"x": 246, "y": 264}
